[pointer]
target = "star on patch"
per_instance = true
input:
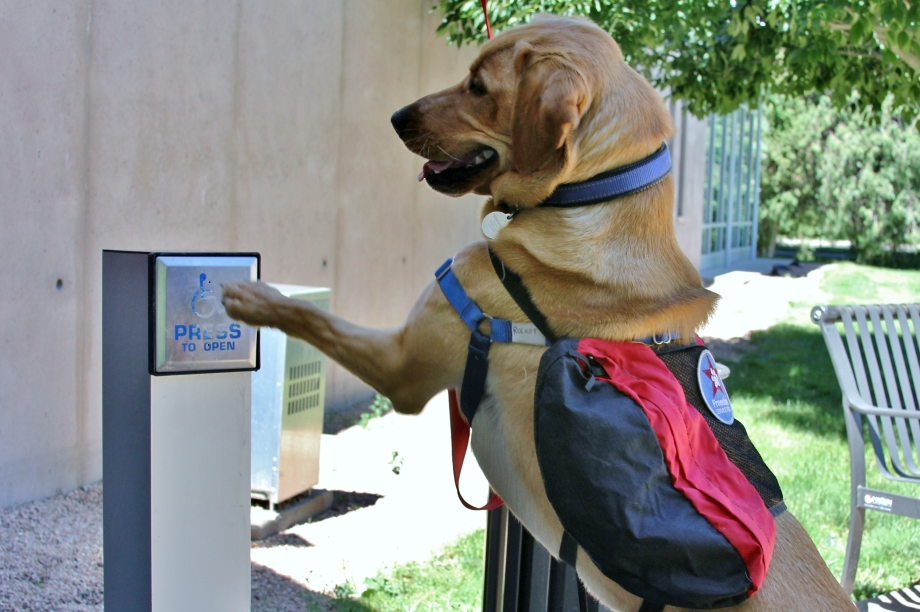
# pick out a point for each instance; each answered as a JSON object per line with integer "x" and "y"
{"x": 715, "y": 396}
{"x": 714, "y": 377}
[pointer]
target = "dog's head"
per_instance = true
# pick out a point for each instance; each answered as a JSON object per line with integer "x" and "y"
{"x": 546, "y": 103}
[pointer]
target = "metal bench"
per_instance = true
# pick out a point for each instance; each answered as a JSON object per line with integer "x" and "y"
{"x": 880, "y": 339}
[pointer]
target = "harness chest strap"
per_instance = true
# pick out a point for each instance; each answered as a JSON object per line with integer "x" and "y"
{"x": 474, "y": 378}
{"x": 477, "y": 367}
{"x": 473, "y": 385}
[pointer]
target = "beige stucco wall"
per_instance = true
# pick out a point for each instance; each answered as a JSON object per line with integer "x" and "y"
{"x": 201, "y": 125}
{"x": 205, "y": 125}
{"x": 688, "y": 154}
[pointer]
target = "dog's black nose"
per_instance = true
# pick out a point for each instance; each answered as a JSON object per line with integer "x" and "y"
{"x": 400, "y": 120}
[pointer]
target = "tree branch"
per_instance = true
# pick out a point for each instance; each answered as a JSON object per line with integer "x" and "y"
{"x": 881, "y": 33}
{"x": 852, "y": 53}
{"x": 911, "y": 59}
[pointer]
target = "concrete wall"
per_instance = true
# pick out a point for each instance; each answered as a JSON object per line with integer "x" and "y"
{"x": 205, "y": 125}
{"x": 688, "y": 153}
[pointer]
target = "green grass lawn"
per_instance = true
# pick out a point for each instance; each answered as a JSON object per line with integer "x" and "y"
{"x": 849, "y": 283}
{"x": 450, "y": 581}
{"x": 785, "y": 392}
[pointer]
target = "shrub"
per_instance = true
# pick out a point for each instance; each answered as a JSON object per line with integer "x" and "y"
{"x": 840, "y": 175}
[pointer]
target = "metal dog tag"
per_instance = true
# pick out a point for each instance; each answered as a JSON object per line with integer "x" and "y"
{"x": 494, "y": 222}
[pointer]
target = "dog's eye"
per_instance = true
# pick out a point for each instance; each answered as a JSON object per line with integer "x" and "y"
{"x": 477, "y": 88}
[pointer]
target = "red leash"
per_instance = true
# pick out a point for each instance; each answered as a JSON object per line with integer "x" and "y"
{"x": 485, "y": 13}
{"x": 460, "y": 438}
{"x": 459, "y": 428}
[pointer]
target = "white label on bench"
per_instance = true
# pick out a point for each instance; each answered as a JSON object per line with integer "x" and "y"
{"x": 877, "y": 502}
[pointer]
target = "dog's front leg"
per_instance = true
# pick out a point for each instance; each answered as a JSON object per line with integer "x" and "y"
{"x": 409, "y": 365}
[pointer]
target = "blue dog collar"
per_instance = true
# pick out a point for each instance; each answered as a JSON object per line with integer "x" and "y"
{"x": 614, "y": 183}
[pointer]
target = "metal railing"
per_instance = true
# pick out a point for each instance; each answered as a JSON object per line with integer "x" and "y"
{"x": 521, "y": 576}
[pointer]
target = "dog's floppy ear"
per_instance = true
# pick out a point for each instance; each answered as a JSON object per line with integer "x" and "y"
{"x": 548, "y": 105}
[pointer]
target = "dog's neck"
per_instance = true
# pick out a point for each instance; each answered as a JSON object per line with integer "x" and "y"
{"x": 611, "y": 270}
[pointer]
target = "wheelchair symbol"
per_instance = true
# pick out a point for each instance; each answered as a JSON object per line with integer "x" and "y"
{"x": 205, "y": 303}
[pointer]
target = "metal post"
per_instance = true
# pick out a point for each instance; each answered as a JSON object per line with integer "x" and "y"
{"x": 756, "y": 208}
{"x": 534, "y": 576}
{"x": 513, "y": 562}
{"x": 707, "y": 204}
{"x": 126, "y": 432}
{"x": 748, "y": 170}
{"x": 730, "y": 203}
{"x": 557, "y": 587}
{"x": 176, "y": 376}
{"x": 494, "y": 575}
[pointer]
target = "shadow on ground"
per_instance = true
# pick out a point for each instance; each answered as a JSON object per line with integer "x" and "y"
{"x": 282, "y": 539}
{"x": 272, "y": 592}
{"x": 789, "y": 365}
{"x": 344, "y": 502}
{"x": 359, "y": 413}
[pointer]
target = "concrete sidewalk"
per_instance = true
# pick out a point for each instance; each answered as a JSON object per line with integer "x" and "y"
{"x": 752, "y": 301}
{"x": 417, "y": 515}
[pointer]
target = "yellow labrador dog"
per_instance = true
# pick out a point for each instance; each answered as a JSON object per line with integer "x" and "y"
{"x": 544, "y": 104}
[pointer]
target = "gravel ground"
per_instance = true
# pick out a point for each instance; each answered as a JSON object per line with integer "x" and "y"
{"x": 51, "y": 557}
{"x": 51, "y": 560}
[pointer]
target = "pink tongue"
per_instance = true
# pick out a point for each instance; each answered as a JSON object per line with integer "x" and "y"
{"x": 433, "y": 166}
{"x": 440, "y": 166}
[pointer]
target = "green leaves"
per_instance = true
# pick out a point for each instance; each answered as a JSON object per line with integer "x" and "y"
{"x": 858, "y": 30}
{"x": 840, "y": 174}
{"x": 719, "y": 55}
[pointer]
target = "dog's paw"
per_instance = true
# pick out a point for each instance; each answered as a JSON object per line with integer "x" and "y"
{"x": 253, "y": 303}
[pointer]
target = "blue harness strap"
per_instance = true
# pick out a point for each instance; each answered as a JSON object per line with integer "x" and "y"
{"x": 477, "y": 357}
{"x": 474, "y": 376}
{"x": 467, "y": 309}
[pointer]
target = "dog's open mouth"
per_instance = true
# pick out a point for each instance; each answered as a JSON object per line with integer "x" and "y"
{"x": 453, "y": 171}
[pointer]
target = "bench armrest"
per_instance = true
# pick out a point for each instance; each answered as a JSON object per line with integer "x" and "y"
{"x": 862, "y": 407}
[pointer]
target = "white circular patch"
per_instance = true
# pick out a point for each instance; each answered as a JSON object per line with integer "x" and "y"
{"x": 713, "y": 389}
{"x": 493, "y": 223}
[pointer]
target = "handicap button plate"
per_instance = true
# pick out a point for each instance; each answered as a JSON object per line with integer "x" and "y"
{"x": 191, "y": 330}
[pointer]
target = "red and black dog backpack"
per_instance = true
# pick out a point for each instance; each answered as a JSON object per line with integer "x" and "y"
{"x": 641, "y": 458}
